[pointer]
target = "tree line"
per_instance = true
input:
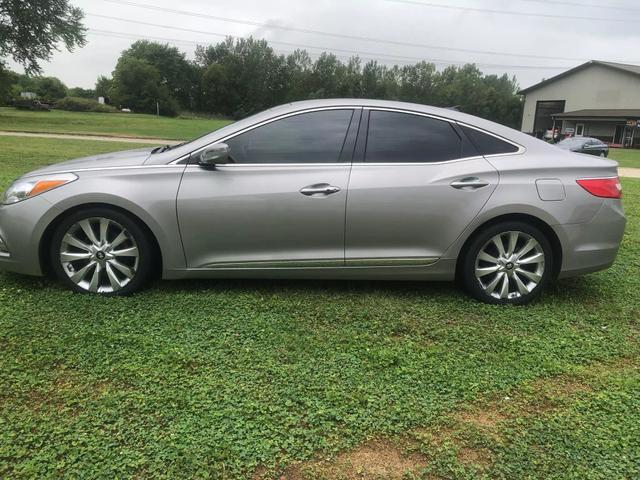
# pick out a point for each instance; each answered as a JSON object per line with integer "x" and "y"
{"x": 238, "y": 77}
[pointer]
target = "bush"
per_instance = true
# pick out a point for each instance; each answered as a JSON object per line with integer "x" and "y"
{"x": 77, "y": 104}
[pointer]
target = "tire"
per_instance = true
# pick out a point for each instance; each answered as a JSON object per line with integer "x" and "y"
{"x": 121, "y": 253}
{"x": 602, "y": 154}
{"x": 524, "y": 281}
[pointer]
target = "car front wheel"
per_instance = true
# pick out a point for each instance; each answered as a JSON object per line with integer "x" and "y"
{"x": 508, "y": 263}
{"x": 102, "y": 251}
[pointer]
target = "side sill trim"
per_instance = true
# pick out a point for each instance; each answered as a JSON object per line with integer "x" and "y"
{"x": 325, "y": 263}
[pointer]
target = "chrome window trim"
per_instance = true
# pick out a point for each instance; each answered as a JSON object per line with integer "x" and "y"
{"x": 255, "y": 165}
{"x": 271, "y": 120}
{"x": 406, "y": 164}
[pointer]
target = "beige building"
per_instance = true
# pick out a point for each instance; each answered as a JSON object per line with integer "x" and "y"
{"x": 596, "y": 99}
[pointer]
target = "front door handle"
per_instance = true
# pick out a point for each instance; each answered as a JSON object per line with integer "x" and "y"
{"x": 319, "y": 189}
{"x": 469, "y": 183}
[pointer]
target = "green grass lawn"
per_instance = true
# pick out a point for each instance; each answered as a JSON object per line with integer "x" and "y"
{"x": 115, "y": 124}
{"x": 223, "y": 379}
{"x": 626, "y": 157}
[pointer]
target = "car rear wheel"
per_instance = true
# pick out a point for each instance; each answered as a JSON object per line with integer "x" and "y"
{"x": 101, "y": 251}
{"x": 508, "y": 263}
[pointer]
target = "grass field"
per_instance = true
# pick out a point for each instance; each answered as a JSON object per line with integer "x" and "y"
{"x": 115, "y": 124}
{"x": 234, "y": 379}
{"x": 626, "y": 157}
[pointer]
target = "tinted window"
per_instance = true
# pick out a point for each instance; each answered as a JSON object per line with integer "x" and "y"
{"x": 406, "y": 138}
{"x": 488, "y": 144}
{"x": 315, "y": 137}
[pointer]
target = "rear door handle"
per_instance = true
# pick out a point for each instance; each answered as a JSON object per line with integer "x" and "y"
{"x": 469, "y": 183}
{"x": 319, "y": 189}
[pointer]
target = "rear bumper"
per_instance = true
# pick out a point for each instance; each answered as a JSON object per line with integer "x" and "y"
{"x": 592, "y": 246}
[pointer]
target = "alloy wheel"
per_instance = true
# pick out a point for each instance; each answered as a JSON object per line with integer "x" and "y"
{"x": 99, "y": 255}
{"x": 510, "y": 265}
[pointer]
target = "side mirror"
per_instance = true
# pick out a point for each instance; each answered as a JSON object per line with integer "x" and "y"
{"x": 217, "y": 154}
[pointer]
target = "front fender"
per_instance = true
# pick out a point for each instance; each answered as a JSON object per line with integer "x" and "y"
{"x": 149, "y": 193}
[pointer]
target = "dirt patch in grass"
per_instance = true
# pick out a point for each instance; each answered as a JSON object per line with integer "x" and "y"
{"x": 487, "y": 418}
{"x": 66, "y": 393}
{"x": 479, "y": 457}
{"x": 411, "y": 454}
{"x": 376, "y": 459}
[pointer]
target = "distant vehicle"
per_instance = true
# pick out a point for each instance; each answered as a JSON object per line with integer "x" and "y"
{"x": 587, "y": 145}
{"x": 30, "y": 104}
{"x": 125, "y": 110}
{"x": 344, "y": 189}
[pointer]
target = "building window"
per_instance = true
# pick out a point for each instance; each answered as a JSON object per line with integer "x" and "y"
{"x": 579, "y": 129}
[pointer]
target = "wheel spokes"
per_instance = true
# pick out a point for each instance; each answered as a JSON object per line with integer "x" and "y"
{"x": 497, "y": 241}
{"x": 74, "y": 256}
{"x": 86, "y": 227}
{"x": 126, "y": 271}
{"x": 78, "y": 276}
{"x": 504, "y": 289}
{"x": 513, "y": 241}
{"x": 119, "y": 240}
{"x": 530, "y": 245}
{"x": 126, "y": 252}
{"x": 75, "y": 242}
{"x": 535, "y": 258}
{"x": 522, "y": 288}
{"x": 113, "y": 278}
{"x": 494, "y": 283}
{"x": 104, "y": 227}
{"x": 484, "y": 271}
{"x": 95, "y": 279}
{"x": 533, "y": 276}
{"x": 511, "y": 264}
{"x": 99, "y": 266}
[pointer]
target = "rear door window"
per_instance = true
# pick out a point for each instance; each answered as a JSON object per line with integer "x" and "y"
{"x": 396, "y": 137}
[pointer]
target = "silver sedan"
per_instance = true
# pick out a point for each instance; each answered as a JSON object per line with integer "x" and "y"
{"x": 341, "y": 189}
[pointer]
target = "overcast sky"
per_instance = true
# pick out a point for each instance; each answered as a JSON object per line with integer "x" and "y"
{"x": 536, "y": 42}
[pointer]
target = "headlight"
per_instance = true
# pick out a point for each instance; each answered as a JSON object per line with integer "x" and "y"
{"x": 25, "y": 188}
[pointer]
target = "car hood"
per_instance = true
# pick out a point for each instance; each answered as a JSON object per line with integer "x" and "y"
{"x": 127, "y": 158}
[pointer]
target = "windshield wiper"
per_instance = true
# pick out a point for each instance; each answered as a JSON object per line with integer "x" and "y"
{"x": 164, "y": 148}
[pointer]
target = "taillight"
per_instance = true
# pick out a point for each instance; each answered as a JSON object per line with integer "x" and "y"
{"x": 602, "y": 187}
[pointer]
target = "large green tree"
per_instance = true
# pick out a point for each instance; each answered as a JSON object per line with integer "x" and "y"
{"x": 139, "y": 86}
{"x": 177, "y": 74}
{"x": 250, "y": 76}
{"x": 30, "y": 30}
{"x": 49, "y": 89}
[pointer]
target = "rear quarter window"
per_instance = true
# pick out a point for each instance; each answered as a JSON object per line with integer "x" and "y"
{"x": 488, "y": 144}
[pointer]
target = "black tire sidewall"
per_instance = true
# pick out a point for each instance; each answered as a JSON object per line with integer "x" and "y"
{"x": 145, "y": 262}
{"x": 471, "y": 284}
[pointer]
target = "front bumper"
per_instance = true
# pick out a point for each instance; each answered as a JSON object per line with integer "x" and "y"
{"x": 22, "y": 225}
{"x": 592, "y": 246}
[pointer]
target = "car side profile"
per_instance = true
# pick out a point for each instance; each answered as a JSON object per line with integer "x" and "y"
{"x": 586, "y": 145}
{"x": 332, "y": 189}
